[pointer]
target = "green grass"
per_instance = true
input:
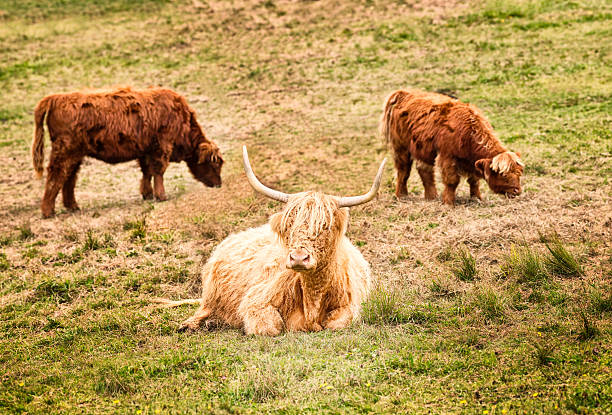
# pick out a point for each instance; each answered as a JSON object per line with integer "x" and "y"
{"x": 464, "y": 267}
{"x": 383, "y": 307}
{"x": 561, "y": 262}
{"x": 525, "y": 265}
{"x": 138, "y": 228}
{"x": 491, "y": 304}
{"x": 526, "y": 329}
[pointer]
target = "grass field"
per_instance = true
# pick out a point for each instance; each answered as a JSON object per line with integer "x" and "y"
{"x": 493, "y": 307}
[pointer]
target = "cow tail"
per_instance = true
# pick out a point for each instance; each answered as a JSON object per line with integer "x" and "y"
{"x": 38, "y": 144}
{"x": 385, "y": 120}
{"x": 170, "y": 303}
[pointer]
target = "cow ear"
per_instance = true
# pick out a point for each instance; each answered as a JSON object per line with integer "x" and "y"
{"x": 207, "y": 151}
{"x": 483, "y": 167}
{"x": 341, "y": 222}
{"x": 275, "y": 222}
{"x": 518, "y": 154}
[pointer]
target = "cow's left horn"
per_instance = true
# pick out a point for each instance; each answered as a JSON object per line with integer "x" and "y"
{"x": 256, "y": 184}
{"x": 349, "y": 201}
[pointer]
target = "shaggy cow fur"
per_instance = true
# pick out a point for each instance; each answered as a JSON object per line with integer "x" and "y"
{"x": 154, "y": 126}
{"x": 251, "y": 280}
{"x": 423, "y": 125}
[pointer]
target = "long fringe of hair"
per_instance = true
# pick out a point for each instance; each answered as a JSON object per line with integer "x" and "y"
{"x": 505, "y": 162}
{"x": 312, "y": 209}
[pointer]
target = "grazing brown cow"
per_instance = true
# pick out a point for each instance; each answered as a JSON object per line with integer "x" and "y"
{"x": 154, "y": 126}
{"x": 299, "y": 272}
{"x": 424, "y": 125}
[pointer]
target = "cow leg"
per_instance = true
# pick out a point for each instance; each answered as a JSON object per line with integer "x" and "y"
{"x": 451, "y": 178}
{"x": 295, "y": 320}
{"x": 68, "y": 189}
{"x": 474, "y": 189}
{"x": 57, "y": 173}
{"x": 312, "y": 308}
{"x": 265, "y": 321}
{"x": 403, "y": 165}
{"x": 194, "y": 322}
{"x": 158, "y": 168}
{"x": 145, "y": 183}
{"x": 426, "y": 171}
{"x": 339, "y": 318}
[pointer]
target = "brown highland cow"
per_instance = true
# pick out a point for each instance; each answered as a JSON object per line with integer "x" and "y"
{"x": 424, "y": 125}
{"x": 299, "y": 272}
{"x": 154, "y": 126}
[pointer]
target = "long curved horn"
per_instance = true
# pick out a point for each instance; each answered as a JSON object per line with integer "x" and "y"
{"x": 256, "y": 184}
{"x": 348, "y": 201}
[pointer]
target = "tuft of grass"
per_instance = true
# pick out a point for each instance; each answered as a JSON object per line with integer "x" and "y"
{"x": 4, "y": 262}
{"x": 464, "y": 267}
{"x": 92, "y": 242}
{"x": 402, "y": 254}
{"x": 138, "y": 228}
{"x": 491, "y": 304}
{"x": 441, "y": 287}
{"x": 25, "y": 232}
{"x": 599, "y": 302}
{"x": 59, "y": 291}
{"x": 71, "y": 235}
{"x": 525, "y": 265}
{"x": 445, "y": 255}
{"x": 561, "y": 262}
{"x": 544, "y": 353}
{"x": 5, "y": 240}
{"x": 383, "y": 307}
{"x": 114, "y": 381}
{"x": 588, "y": 328}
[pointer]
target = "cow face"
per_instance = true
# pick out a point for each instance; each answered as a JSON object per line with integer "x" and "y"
{"x": 503, "y": 173}
{"x": 310, "y": 228}
{"x": 312, "y": 224}
{"x": 206, "y": 164}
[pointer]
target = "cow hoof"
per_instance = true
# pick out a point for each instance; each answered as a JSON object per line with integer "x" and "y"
{"x": 334, "y": 325}
{"x": 47, "y": 215}
{"x": 73, "y": 208}
{"x": 185, "y": 327}
{"x": 161, "y": 198}
{"x": 147, "y": 196}
{"x": 315, "y": 327}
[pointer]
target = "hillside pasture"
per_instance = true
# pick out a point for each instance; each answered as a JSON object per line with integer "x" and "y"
{"x": 500, "y": 306}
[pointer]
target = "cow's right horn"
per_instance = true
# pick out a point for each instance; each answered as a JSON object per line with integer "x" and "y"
{"x": 348, "y": 201}
{"x": 256, "y": 184}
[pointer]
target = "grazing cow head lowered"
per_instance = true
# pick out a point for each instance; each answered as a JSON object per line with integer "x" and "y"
{"x": 206, "y": 162}
{"x": 435, "y": 129}
{"x": 312, "y": 223}
{"x": 502, "y": 173}
{"x": 155, "y": 126}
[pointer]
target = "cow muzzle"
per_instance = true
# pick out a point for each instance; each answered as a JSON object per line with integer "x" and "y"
{"x": 513, "y": 193}
{"x": 300, "y": 260}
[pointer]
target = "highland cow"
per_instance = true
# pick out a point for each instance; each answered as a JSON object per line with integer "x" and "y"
{"x": 423, "y": 125}
{"x": 154, "y": 126}
{"x": 299, "y": 272}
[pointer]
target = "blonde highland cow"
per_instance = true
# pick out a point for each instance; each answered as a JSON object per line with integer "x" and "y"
{"x": 299, "y": 272}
